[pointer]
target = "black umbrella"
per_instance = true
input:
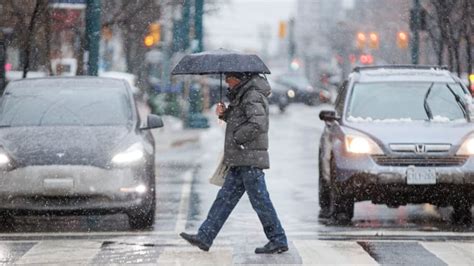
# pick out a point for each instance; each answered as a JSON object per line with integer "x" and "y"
{"x": 220, "y": 61}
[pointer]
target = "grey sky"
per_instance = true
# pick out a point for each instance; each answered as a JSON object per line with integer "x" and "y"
{"x": 237, "y": 23}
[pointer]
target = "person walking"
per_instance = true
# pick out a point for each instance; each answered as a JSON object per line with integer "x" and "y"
{"x": 246, "y": 153}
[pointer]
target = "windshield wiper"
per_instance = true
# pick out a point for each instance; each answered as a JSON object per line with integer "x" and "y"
{"x": 460, "y": 103}
{"x": 426, "y": 105}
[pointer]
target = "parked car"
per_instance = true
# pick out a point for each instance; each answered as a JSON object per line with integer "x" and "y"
{"x": 298, "y": 88}
{"x": 398, "y": 135}
{"x": 75, "y": 145}
{"x": 280, "y": 95}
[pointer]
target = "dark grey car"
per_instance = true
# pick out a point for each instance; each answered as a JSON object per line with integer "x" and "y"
{"x": 398, "y": 135}
{"x": 76, "y": 146}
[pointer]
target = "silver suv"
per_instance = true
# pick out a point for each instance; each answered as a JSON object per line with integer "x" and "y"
{"x": 398, "y": 135}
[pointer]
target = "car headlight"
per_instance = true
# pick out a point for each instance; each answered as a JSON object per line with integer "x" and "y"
{"x": 132, "y": 154}
{"x": 359, "y": 144}
{"x": 467, "y": 148}
{"x": 291, "y": 93}
{"x": 4, "y": 160}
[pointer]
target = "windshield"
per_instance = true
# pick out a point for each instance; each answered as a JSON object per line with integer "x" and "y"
{"x": 382, "y": 101}
{"x": 64, "y": 106}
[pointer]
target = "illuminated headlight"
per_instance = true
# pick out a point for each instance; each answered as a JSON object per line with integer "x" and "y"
{"x": 131, "y": 155}
{"x": 291, "y": 93}
{"x": 467, "y": 148}
{"x": 140, "y": 189}
{"x": 4, "y": 160}
{"x": 361, "y": 145}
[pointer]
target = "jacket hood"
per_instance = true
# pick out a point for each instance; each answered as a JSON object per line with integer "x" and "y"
{"x": 256, "y": 82}
{"x": 260, "y": 84}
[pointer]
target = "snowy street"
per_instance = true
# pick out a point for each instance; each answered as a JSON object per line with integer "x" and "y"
{"x": 416, "y": 234}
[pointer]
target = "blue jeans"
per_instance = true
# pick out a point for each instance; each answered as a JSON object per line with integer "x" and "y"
{"x": 238, "y": 180}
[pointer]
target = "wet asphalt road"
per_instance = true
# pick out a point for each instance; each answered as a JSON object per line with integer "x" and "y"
{"x": 415, "y": 234}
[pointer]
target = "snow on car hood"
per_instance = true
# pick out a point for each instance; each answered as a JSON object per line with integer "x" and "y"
{"x": 414, "y": 131}
{"x": 73, "y": 145}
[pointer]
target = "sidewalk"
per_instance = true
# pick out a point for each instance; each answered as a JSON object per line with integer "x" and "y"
{"x": 173, "y": 134}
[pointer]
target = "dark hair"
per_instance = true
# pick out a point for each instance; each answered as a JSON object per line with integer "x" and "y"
{"x": 238, "y": 75}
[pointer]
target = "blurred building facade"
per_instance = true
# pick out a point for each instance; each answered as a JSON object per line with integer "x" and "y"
{"x": 326, "y": 33}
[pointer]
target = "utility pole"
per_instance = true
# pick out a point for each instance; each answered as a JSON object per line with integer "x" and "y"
{"x": 415, "y": 18}
{"x": 2, "y": 63}
{"x": 93, "y": 35}
{"x": 198, "y": 29}
{"x": 181, "y": 29}
{"x": 291, "y": 39}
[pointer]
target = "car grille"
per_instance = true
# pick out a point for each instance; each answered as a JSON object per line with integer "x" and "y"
{"x": 420, "y": 161}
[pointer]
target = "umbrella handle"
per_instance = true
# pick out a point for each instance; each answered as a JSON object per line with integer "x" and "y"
{"x": 221, "y": 90}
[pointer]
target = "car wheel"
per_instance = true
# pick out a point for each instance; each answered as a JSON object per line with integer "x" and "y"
{"x": 324, "y": 192}
{"x": 341, "y": 201}
{"x": 282, "y": 103}
{"x": 6, "y": 220}
{"x": 462, "y": 211}
{"x": 143, "y": 217}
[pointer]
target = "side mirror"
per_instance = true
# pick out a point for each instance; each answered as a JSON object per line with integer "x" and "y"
{"x": 328, "y": 116}
{"x": 153, "y": 121}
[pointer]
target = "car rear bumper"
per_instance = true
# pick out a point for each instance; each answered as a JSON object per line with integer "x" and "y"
{"x": 67, "y": 188}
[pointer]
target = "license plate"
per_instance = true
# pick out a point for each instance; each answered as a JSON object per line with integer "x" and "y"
{"x": 61, "y": 184}
{"x": 420, "y": 176}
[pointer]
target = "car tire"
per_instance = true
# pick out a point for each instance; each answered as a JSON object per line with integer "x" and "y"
{"x": 341, "y": 201}
{"x": 282, "y": 108}
{"x": 324, "y": 192}
{"x": 462, "y": 214}
{"x": 282, "y": 103}
{"x": 143, "y": 217}
{"x": 6, "y": 220}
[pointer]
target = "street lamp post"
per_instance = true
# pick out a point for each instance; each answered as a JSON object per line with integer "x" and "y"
{"x": 415, "y": 40}
{"x": 2, "y": 63}
{"x": 93, "y": 35}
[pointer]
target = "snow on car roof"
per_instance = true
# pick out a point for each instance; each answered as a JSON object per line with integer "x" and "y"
{"x": 387, "y": 74}
{"x": 65, "y": 82}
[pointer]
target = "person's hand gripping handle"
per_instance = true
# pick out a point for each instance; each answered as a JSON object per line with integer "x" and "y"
{"x": 220, "y": 109}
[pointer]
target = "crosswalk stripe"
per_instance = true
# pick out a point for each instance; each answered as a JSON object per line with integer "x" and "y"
{"x": 178, "y": 252}
{"x": 332, "y": 252}
{"x": 193, "y": 256}
{"x": 62, "y": 252}
{"x": 184, "y": 203}
{"x": 453, "y": 253}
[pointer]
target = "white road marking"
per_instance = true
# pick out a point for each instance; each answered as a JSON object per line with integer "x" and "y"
{"x": 453, "y": 253}
{"x": 382, "y": 233}
{"x": 61, "y": 252}
{"x": 184, "y": 202}
{"x": 332, "y": 252}
{"x": 193, "y": 256}
{"x": 316, "y": 234}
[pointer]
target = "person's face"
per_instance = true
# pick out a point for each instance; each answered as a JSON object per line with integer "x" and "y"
{"x": 232, "y": 81}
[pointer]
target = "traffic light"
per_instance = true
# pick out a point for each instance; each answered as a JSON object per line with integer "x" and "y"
{"x": 374, "y": 40}
{"x": 282, "y": 30}
{"x": 361, "y": 39}
{"x": 154, "y": 35}
{"x": 402, "y": 40}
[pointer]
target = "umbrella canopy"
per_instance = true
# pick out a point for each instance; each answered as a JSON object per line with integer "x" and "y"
{"x": 218, "y": 62}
